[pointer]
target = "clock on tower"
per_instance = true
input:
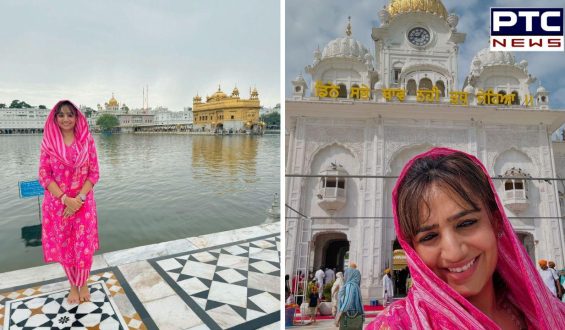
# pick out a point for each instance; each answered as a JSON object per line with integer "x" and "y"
{"x": 419, "y": 36}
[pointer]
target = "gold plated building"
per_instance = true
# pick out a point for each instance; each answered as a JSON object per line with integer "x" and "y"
{"x": 223, "y": 112}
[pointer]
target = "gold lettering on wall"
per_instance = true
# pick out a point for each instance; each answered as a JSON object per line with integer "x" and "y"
{"x": 459, "y": 98}
{"x": 389, "y": 93}
{"x": 362, "y": 92}
{"x": 326, "y": 90}
{"x": 426, "y": 95}
{"x": 488, "y": 97}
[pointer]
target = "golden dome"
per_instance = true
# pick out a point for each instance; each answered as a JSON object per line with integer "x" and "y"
{"x": 218, "y": 95}
{"x": 397, "y": 7}
{"x": 113, "y": 101}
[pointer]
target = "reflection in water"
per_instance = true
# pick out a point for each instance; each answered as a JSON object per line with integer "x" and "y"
{"x": 152, "y": 188}
{"x": 233, "y": 158}
{"x": 109, "y": 145}
{"x": 32, "y": 235}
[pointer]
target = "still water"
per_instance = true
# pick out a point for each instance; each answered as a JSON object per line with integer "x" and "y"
{"x": 152, "y": 188}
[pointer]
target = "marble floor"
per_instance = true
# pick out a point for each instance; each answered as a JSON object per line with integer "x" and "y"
{"x": 229, "y": 286}
{"x": 113, "y": 305}
{"x": 227, "y": 280}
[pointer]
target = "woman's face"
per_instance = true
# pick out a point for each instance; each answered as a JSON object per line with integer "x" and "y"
{"x": 457, "y": 243}
{"x": 66, "y": 119}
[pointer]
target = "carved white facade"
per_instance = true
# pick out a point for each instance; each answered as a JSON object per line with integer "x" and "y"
{"x": 163, "y": 116}
{"x": 26, "y": 120}
{"x": 375, "y": 137}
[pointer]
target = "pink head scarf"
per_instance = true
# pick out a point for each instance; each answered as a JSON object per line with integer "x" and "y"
{"x": 432, "y": 304}
{"x": 53, "y": 143}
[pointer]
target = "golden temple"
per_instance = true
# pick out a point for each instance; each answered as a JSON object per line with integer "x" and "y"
{"x": 223, "y": 112}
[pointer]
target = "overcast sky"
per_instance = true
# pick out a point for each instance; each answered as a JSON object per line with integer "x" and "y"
{"x": 316, "y": 22}
{"x": 85, "y": 50}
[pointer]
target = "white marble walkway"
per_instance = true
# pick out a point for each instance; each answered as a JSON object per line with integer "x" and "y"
{"x": 223, "y": 280}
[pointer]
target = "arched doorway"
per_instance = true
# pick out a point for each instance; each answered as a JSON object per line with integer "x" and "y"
{"x": 411, "y": 87}
{"x": 441, "y": 86}
{"x": 425, "y": 83}
{"x": 335, "y": 253}
{"x": 342, "y": 91}
{"x": 330, "y": 250}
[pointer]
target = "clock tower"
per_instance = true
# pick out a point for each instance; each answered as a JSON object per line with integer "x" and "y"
{"x": 416, "y": 46}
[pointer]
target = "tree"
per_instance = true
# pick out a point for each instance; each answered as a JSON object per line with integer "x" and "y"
{"x": 107, "y": 122}
{"x": 42, "y": 107}
{"x": 272, "y": 120}
{"x": 2, "y": 105}
{"x": 17, "y": 104}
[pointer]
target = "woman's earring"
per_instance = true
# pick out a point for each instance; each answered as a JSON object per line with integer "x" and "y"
{"x": 500, "y": 233}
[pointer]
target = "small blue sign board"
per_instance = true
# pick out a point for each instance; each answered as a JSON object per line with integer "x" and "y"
{"x": 30, "y": 189}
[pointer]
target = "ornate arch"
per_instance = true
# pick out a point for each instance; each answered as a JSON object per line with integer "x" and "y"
{"x": 330, "y": 231}
{"x": 326, "y": 65}
{"x": 495, "y": 158}
{"x": 321, "y": 147}
{"x": 319, "y": 244}
{"x": 398, "y": 151}
{"x": 408, "y": 69}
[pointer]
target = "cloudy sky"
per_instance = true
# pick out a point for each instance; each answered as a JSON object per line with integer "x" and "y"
{"x": 87, "y": 50}
{"x": 316, "y": 22}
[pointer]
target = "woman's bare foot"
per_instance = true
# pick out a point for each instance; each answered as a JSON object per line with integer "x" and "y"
{"x": 84, "y": 294}
{"x": 73, "y": 297}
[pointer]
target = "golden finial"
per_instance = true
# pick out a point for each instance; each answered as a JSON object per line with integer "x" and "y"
{"x": 348, "y": 29}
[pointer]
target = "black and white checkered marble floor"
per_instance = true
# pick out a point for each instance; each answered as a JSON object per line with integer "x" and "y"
{"x": 228, "y": 286}
{"x": 200, "y": 282}
{"x": 44, "y": 305}
{"x": 51, "y": 311}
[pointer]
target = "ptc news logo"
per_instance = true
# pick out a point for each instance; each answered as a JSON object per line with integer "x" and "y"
{"x": 526, "y": 29}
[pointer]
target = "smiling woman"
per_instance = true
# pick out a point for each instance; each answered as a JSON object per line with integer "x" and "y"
{"x": 68, "y": 170}
{"x": 468, "y": 267}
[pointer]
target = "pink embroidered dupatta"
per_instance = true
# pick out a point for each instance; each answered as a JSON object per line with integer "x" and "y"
{"x": 53, "y": 144}
{"x": 432, "y": 304}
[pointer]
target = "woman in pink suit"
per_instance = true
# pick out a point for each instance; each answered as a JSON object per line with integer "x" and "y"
{"x": 68, "y": 170}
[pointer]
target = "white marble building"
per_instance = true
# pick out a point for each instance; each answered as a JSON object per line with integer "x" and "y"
{"x": 163, "y": 116}
{"x": 367, "y": 114}
{"x": 22, "y": 121}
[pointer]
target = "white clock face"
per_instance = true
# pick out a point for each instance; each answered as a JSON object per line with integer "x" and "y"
{"x": 419, "y": 36}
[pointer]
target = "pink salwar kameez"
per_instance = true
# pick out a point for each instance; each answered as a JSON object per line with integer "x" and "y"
{"x": 73, "y": 240}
